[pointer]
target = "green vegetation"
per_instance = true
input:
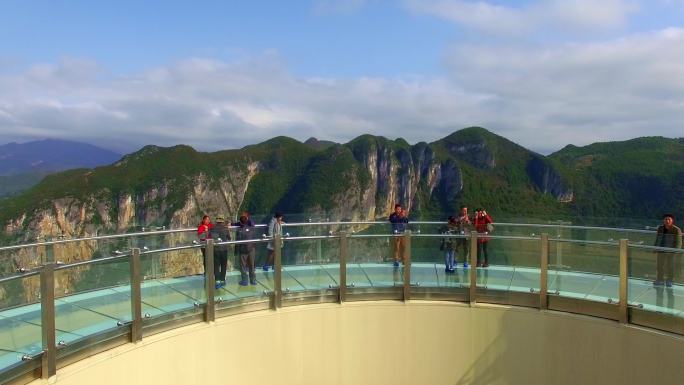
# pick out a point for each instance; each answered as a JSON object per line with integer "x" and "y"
{"x": 639, "y": 178}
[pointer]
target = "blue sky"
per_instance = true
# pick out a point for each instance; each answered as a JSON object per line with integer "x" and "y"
{"x": 222, "y": 74}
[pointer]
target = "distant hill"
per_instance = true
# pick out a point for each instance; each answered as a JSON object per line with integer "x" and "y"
{"x": 51, "y": 155}
{"x": 319, "y": 144}
{"x": 14, "y": 184}
{"x": 642, "y": 176}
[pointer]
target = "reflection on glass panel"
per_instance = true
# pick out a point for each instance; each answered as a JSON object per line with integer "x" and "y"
{"x": 584, "y": 270}
{"x": 439, "y": 261}
{"x": 172, "y": 281}
{"x": 24, "y": 259}
{"x": 310, "y": 264}
{"x": 371, "y": 262}
{"x": 656, "y": 280}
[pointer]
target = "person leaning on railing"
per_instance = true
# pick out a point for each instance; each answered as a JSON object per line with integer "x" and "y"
{"x": 399, "y": 220}
{"x": 204, "y": 233}
{"x": 668, "y": 235}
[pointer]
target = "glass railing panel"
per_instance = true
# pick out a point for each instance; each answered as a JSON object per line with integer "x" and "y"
{"x": 85, "y": 302}
{"x": 23, "y": 259}
{"x": 239, "y": 285}
{"x": 371, "y": 262}
{"x": 514, "y": 264}
{"x": 20, "y": 320}
{"x": 656, "y": 279}
{"x": 438, "y": 261}
{"x": 172, "y": 281}
{"x": 584, "y": 270}
{"x": 310, "y": 264}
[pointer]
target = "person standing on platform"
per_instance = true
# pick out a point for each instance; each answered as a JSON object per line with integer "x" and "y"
{"x": 668, "y": 235}
{"x": 448, "y": 245}
{"x": 483, "y": 226}
{"x": 220, "y": 232}
{"x": 464, "y": 225}
{"x": 275, "y": 227}
{"x": 204, "y": 233}
{"x": 246, "y": 251}
{"x": 399, "y": 220}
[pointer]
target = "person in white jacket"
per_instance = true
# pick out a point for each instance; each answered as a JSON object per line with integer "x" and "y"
{"x": 275, "y": 227}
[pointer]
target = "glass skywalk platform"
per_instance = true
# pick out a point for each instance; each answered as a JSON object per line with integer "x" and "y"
{"x": 95, "y": 301}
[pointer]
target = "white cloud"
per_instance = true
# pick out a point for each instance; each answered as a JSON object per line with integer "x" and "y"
{"x": 540, "y": 97}
{"x": 504, "y": 20}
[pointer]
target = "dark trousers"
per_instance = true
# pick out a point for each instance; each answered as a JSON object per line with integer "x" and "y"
{"x": 204, "y": 259}
{"x": 665, "y": 268}
{"x": 482, "y": 252}
{"x": 247, "y": 266}
{"x": 220, "y": 264}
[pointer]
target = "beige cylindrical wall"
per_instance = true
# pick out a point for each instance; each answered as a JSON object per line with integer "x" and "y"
{"x": 392, "y": 343}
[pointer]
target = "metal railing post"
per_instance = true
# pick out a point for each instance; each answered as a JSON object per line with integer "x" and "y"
{"x": 47, "y": 312}
{"x": 344, "y": 256}
{"x": 473, "y": 266}
{"x": 277, "y": 272}
{"x": 136, "y": 296}
{"x": 50, "y": 254}
{"x": 623, "y": 316}
{"x": 209, "y": 282}
{"x": 407, "y": 265}
{"x": 544, "y": 273}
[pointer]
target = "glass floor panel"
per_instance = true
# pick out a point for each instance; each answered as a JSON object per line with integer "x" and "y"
{"x": 109, "y": 302}
{"x": 311, "y": 277}
{"x": 607, "y": 289}
{"x": 495, "y": 278}
{"x": 574, "y": 285}
{"x": 381, "y": 274}
{"x": 357, "y": 276}
{"x": 79, "y": 321}
{"x": 425, "y": 274}
{"x": 525, "y": 279}
{"x": 165, "y": 298}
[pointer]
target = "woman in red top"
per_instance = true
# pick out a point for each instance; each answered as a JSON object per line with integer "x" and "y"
{"x": 204, "y": 233}
{"x": 482, "y": 220}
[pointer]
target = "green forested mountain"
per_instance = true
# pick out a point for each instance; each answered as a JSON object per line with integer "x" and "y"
{"x": 361, "y": 179}
{"x": 642, "y": 177}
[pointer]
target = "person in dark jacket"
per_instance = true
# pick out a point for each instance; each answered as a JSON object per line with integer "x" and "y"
{"x": 464, "y": 226}
{"x": 275, "y": 227}
{"x": 448, "y": 245}
{"x": 220, "y": 232}
{"x": 246, "y": 251}
{"x": 668, "y": 235}
{"x": 399, "y": 220}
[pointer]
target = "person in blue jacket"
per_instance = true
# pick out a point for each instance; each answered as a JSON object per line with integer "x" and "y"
{"x": 399, "y": 221}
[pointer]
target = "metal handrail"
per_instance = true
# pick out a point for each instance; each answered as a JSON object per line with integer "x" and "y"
{"x": 307, "y": 224}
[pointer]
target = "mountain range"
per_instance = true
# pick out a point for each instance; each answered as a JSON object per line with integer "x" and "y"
{"x": 23, "y": 165}
{"x": 358, "y": 180}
